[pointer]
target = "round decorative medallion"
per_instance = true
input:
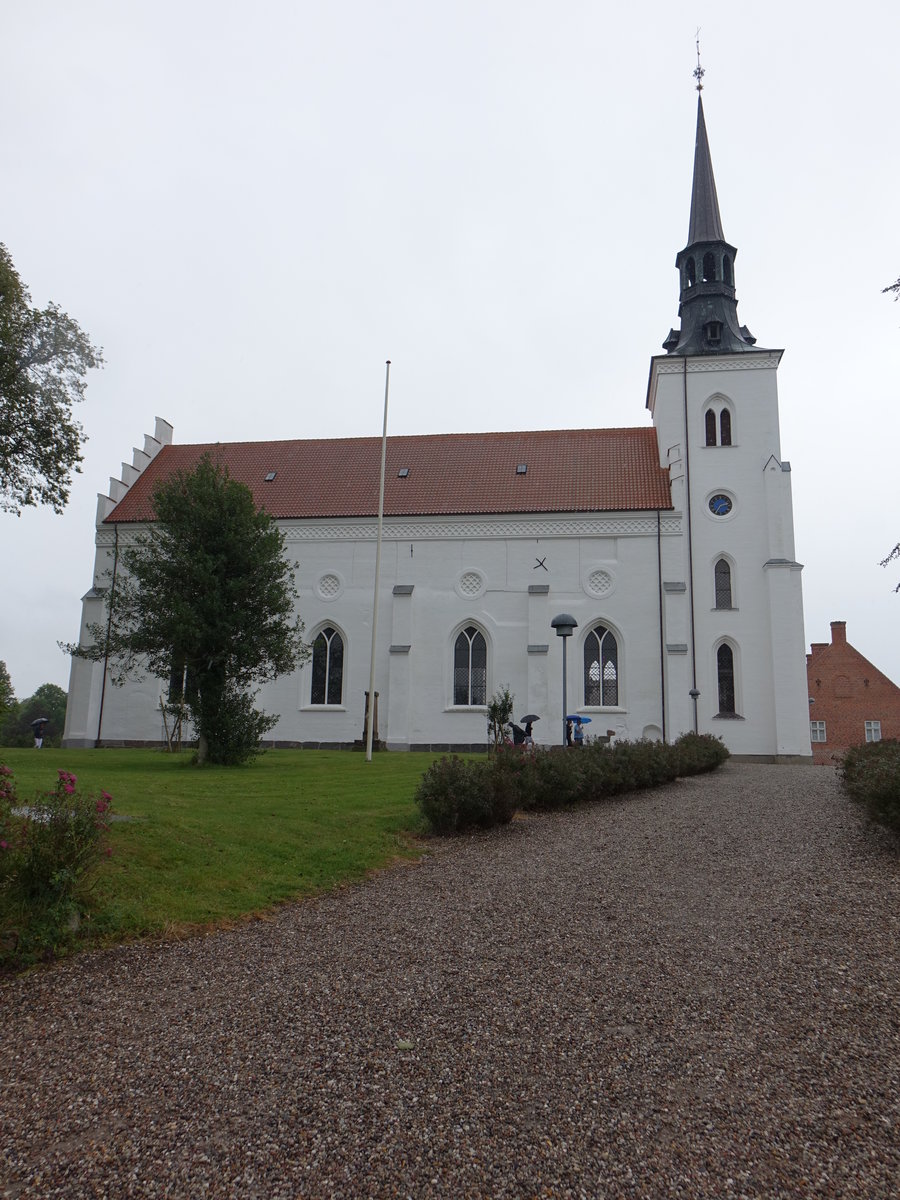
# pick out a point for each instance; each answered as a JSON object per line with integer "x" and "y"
{"x": 471, "y": 584}
{"x": 329, "y": 586}
{"x": 600, "y": 583}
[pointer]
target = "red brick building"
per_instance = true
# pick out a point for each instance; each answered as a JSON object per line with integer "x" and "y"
{"x": 851, "y": 701}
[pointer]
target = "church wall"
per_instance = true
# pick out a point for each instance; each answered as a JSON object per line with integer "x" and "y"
{"x": 436, "y": 579}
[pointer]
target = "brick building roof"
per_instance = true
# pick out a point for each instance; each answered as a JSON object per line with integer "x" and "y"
{"x": 567, "y": 470}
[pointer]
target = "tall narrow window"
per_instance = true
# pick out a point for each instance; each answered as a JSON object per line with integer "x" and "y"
{"x": 601, "y": 668}
{"x": 327, "y": 667}
{"x": 726, "y": 268}
{"x": 709, "y": 267}
{"x": 725, "y": 426}
{"x": 690, "y": 273}
{"x": 710, "y": 427}
{"x": 725, "y": 671}
{"x": 470, "y": 667}
{"x": 723, "y": 584}
{"x": 873, "y": 731}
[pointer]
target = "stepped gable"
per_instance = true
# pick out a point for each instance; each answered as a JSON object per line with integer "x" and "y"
{"x": 579, "y": 470}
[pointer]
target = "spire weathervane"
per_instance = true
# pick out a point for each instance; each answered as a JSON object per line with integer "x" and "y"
{"x": 698, "y": 71}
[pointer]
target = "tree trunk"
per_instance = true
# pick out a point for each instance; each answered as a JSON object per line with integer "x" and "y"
{"x": 202, "y": 749}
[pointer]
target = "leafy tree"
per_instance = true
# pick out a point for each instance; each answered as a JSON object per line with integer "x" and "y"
{"x": 207, "y": 600}
{"x": 44, "y": 357}
{"x": 499, "y": 714}
{"x": 893, "y": 287}
{"x": 7, "y": 696}
{"x": 48, "y": 701}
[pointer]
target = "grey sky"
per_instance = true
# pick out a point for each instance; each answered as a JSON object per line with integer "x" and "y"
{"x": 252, "y": 206}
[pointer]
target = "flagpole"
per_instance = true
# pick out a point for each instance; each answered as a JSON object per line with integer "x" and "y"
{"x": 370, "y": 723}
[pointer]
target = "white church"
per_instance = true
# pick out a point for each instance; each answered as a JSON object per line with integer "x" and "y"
{"x": 670, "y": 546}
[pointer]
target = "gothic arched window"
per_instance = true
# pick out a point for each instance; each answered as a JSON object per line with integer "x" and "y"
{"x": 470, "y": 667}
{"x": 725, "y": 425}
{"x": 601, "y": 668}
{"x": 723, "y": 584}
{"x": 725, "y": 674}
{"x": 327, "y": 667}
{"x": 709, "y": 267}
{"x": 690, "y": 272}
{"x": 710, "y": 427}
{"x": 726, "y": 268}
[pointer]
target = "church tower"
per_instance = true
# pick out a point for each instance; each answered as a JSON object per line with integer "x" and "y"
{"x": 733, "y": 616}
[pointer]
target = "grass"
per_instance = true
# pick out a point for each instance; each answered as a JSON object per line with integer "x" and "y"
{"x": 206, "y": 847}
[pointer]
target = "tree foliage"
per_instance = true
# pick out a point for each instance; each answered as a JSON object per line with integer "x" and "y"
{"x": 44, "y": 357}
{"x": 893, "y": 287}
{"x": 499, "y": 715}
{"x": 48, "y": 701}
{"x": 7, "y": 695}
{"x": 205, "y": 598}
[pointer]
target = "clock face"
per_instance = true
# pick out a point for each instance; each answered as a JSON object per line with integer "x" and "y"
{"x": 720, "y": 506}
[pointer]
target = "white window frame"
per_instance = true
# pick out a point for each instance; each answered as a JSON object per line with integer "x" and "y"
{"x": 461, "y": 629}
{"x": 817, "y": 731}
{"x": 873, "y": 731}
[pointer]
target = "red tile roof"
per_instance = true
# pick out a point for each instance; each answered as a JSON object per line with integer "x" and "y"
{"x": 568, "y": 470}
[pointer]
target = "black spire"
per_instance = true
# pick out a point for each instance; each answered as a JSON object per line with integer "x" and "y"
{"x": 708, "y": 308}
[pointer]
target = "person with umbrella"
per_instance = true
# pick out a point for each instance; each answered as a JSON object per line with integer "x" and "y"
{"x": 577, "y": 733}
{"x": 39, "y": 724}
{"x": 528, "y": 720}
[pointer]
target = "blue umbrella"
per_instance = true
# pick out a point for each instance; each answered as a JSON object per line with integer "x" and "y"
{"x": 583, "y": 720}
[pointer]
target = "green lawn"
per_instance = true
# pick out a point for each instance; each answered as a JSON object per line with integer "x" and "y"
{"x": 212, "y": 845}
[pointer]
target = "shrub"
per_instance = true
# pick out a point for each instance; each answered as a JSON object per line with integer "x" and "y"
{"x": 699, "y": 752}
{"x": 47, "y": 853}
{"x": 870, "y": 775}
{"x": 455, "y": 794}
{"x": 555, "y": 779}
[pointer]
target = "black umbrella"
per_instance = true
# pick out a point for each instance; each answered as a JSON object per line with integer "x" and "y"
{"x": 529, "y": 717}
{"x": 40, "y": 721}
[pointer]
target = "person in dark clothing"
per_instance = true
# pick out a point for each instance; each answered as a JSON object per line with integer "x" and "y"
{"x": 38, "y": 726}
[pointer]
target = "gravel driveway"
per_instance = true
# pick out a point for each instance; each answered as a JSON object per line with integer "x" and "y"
{"x": 694, "y": 992}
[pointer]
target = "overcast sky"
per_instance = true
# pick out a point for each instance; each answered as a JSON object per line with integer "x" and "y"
{"x": 251, "y": 206}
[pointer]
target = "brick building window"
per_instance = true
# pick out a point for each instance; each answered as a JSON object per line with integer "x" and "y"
{"x": 873, "y": 731}
{"x": 817, "y": 731}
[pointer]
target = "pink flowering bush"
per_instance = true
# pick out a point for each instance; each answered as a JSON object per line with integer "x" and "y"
{"x": 46, "y": 855}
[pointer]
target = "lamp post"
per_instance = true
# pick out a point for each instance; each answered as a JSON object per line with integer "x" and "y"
{"x": 565, "y": 625}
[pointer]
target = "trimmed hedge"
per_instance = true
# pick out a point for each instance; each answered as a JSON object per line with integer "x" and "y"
{"x": 870, "y": 775}
{"x": 456, "y": 794}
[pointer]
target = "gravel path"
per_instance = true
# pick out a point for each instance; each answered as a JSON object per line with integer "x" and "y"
{"x": 690, "y": 993}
